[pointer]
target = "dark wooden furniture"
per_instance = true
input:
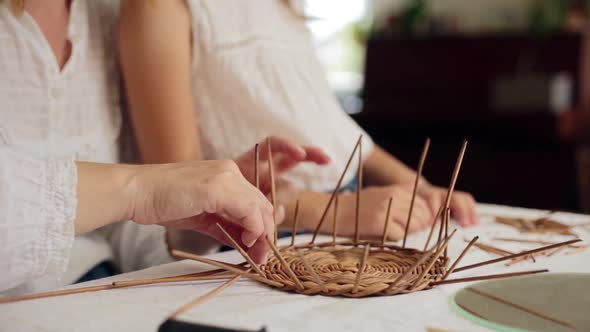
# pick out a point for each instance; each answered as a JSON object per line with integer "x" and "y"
{"x": 440, "y": 87}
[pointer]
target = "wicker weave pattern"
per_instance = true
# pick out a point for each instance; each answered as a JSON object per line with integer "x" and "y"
{"x": 338, "y": 267}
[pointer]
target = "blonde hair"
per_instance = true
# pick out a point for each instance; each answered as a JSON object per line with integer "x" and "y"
{"x": 17, "y": 6}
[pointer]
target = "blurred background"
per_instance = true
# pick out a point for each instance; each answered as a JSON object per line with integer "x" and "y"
{"x": 511, "y": 76}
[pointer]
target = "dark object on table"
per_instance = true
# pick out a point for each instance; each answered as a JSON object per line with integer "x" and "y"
{"x": 172, "y": 325}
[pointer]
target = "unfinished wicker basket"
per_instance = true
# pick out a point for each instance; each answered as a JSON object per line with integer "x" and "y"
{"x": 356, "y": 271}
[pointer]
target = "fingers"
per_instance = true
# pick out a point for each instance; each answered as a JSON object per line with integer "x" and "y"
{"x": 316, "y": 155}
{"x": 237, "y": 201}
{"x": 463, "y": 209}
{"x": 284, "y": 161}
{"x": 259, "y": 252}
{"x": 282, "y": 145}
{"x": 395, "y": 231}
{"x": 434, "y": 199}
{"x": 422, "y": 214}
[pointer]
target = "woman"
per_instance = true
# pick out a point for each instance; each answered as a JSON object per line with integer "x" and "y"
{"x": 207, "y": 77}
{"x": 59, "y": 92}
{"x": 45, "y": 202}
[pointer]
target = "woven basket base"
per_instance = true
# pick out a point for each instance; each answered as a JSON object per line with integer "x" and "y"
{"x": 337, "y": 267}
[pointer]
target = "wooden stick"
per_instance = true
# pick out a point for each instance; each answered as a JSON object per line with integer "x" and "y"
{"x": 416, "y": 182}
{"x": 257, "y": 165}
{"x": 334, "y": 222}
{"x": 286, "y": 266}
{"x": 295, "y": 221}
{"x": 205, "y": 275}
{"x": 436, "y": 217}
{"x": 386, "y": 226}
{"x": 438, "y": 253}
{"x": 336, "y": 191}
{"x": 411, "y": 269}
{"x": 241, "y": 251}
{"x": 506, "y": 239}
{"x": 273, "y": 194}
{"x": 447, "y": 218}
{"x": 205, "y": 297}
{"x": 454, "y": 265}
{"x": 520, "y": 307}
{"x": 312, "y": 273}
{"x": 524, "y": 253}
{"x": 359, "y": 187}
{"x": 54, "y": 293}
{"x": 518, "y": 260}
{"x": 362, "y": 266}
{"x": 442, "y": 227}
{"x": 493, "y": 250}
{"x": 225, "y": 266}
{"x": 132, "y": 283}
{"x": 487, "y": 277}
{"x": 455, "y": 174}
{"x": 452, "y": 187}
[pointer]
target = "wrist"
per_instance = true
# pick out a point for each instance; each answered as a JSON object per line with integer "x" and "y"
{"x": 105, "y": 195}
{"x": 127, "y": 182}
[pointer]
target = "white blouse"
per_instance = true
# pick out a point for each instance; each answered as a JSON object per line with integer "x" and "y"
{"x": 38, "y": 204}
{"x": 72, "y": 113}
{"x": 255, "y": 73}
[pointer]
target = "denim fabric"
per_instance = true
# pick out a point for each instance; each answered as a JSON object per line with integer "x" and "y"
{"x": 102, "y": 270}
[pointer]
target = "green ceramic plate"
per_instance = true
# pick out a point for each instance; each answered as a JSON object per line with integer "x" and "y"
{"x": 552, "y": 302}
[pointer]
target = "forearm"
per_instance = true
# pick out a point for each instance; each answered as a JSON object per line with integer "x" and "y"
{"x": 311, "y": 207}
{"x": 381, "y": 168}
{"x": 155, "y": 54}
{"x": 105, "y": 195}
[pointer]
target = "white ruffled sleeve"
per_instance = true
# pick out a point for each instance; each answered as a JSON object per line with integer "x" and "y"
{"x": 37, "y": 215}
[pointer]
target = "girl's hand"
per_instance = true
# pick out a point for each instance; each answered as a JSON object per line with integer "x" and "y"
{"x": 462, "y": 204}
{"x": 285, "y": 155}
{"x": 374, "y": 202}
{"x": 197, "y": 195}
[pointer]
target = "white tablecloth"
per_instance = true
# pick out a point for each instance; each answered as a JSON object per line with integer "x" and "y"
{"x": 247, "y": 304}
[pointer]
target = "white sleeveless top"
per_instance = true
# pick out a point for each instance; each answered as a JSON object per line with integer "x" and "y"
{"x": 73, "y": 113}
{"x": 255, "y": 73}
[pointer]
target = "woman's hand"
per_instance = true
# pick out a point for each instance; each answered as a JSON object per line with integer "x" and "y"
{"x": 285, "y": 155}
{"x": 197, "y": 195}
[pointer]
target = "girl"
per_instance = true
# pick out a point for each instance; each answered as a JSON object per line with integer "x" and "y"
{"x": 205, "y": 78}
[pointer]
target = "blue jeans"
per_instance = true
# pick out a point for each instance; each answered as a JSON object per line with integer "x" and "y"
{"x": 102, "y": 270}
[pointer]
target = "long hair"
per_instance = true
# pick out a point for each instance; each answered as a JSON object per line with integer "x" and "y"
{"x": 17, "y": 6}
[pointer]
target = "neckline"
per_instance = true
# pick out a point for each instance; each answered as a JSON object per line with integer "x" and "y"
{"x": 29, "y": 27}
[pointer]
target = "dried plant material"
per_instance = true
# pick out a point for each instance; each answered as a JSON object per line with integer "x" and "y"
{"x": 493, "y": 250}
{"x": 502, "y": 252}
{"x": 436, "y": 329}
{"x": 541, "y": 225}
{"x": 574, "y": 248}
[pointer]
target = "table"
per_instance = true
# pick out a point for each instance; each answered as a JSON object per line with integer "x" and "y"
{"x": 247, "y": 304}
